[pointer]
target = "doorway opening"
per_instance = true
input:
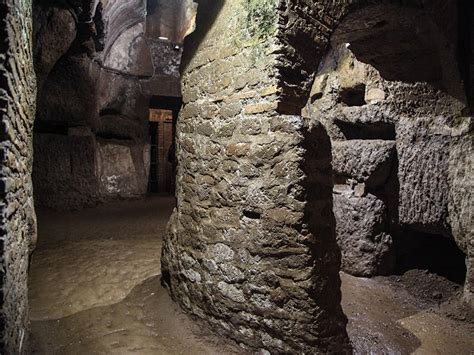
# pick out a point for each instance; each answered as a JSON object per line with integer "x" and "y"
{"x": 163, "y": 116}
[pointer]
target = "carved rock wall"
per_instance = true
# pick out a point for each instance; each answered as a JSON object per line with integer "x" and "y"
{"x": 396, "y": 135}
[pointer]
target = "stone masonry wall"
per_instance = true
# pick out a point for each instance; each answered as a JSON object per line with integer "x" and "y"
{"x": 251, "y": 246}
{"x": 18, "y": 224}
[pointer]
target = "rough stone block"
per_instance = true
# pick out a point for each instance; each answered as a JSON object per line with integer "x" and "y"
{"x": 367, "y": 161}
{"x": 362, "y": 236}
{"x": 238, "y": 149}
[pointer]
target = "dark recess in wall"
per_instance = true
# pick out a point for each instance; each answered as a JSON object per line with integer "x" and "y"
{"x": 50, "y": 127}
{"x": 354, "y": 96}
{"x": 375, "y": 130}
{"x": 435, "y": 253}
{"x": 109, "y": 111}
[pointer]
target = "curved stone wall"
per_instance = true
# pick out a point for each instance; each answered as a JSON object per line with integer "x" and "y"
{"x": 251, "y": 247}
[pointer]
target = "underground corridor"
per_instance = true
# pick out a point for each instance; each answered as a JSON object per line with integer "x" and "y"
{"x": 237, "y": 177}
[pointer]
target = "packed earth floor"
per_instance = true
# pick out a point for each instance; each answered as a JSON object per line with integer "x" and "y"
{"x": 95, "y": 289}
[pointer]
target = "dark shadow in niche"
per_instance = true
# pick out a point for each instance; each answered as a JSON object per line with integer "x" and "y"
{"x": 252, "y": 214}
{"x": 113, "y": 136}
{"x": 354, "y": 96}
{"x": 390, "y": 194}
{"x": 109, "y": 111}
{"x": 369, "y": 130}
{"x": 206, "y": 15}
{"x": 435, "y": 253}
{"x": 50, "y": 127}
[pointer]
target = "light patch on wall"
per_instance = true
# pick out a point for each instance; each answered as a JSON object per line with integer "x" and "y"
{"x": 111, "y": 183}
{"x": 172, "y": 20}
{"x": 130, "y": 53}
{"x": 188, "y": 21}
{"x": 117, "y": 171}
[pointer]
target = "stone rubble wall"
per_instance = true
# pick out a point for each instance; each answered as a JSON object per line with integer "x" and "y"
{"x": 251, "y": 246}
{"x": 18, "y": 222}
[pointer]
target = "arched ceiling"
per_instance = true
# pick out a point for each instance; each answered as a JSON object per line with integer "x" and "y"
{"x": 129, "y": 23}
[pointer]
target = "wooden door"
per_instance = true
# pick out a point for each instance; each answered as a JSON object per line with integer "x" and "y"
{"x": 162, "y": 156}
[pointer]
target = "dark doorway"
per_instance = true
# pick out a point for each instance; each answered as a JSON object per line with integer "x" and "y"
{"x": 163, "y": 116}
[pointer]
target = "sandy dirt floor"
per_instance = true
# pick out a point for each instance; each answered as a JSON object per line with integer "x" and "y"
{"x": 94, "y": 288}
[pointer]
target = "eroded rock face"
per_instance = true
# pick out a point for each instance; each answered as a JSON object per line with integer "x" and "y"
{"x": 460, "y": 205}
{"x": 55, "y": 30}
{"x": 423, "y": 175}
{"x": 366, "y": 161}
{"x": 120, "y": 168}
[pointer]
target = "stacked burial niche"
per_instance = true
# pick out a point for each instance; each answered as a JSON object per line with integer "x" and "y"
{"x": 99, "y": 63}
{"x": 390, "y": 94}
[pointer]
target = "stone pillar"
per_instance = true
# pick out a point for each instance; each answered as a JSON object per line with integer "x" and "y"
{"x": 251, "y": 246}
{"x": 18, "y": 224}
